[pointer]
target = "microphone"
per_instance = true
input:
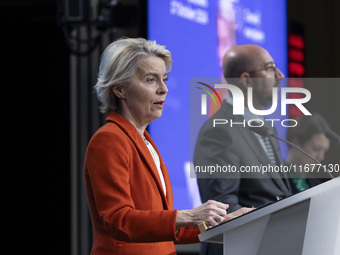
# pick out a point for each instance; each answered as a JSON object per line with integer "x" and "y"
{"x": 264, "y": 131}
{"x": 333, "y": 136}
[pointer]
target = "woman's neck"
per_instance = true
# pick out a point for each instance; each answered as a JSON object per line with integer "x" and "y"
{"x": 139, "y": 125}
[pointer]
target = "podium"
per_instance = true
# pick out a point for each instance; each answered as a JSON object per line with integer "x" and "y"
{"x": 307, "y": 223}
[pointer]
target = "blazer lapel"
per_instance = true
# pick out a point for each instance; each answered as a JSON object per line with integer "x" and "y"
{"x": 144, "y": 152}
{"x": 254, "y": 144}
{"x": 146, "y": 155}
{"x": 167, "y": 200}
{"x": 284, "y": 177}
{"x": 258, "y": 151}
{"x": 248, "y": 136}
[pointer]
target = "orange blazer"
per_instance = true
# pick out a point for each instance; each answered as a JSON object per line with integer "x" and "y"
{"x": 130, "y": 213}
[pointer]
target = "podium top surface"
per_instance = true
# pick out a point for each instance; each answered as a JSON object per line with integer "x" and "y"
{"x": 268, "y": 209}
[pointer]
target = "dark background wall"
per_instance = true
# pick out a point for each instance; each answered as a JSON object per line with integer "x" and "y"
{"x": 35, "y": 75}
{"x": 321, "y": 25}
{"x": 35, "y": 69}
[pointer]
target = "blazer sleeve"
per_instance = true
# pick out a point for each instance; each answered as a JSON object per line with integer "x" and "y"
{"x": 107, "y": 164}
{"x": 187, "y": 235}
{"x": 217, "y": 147}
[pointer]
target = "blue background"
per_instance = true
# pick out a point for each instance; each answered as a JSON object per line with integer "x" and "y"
{"x": 194, "y": 51}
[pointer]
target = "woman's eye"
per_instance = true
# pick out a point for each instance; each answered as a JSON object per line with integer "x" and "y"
{"x": 150, "y": 80}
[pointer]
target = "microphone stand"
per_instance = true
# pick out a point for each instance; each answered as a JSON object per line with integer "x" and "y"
{"x": 263, "y": 131}
{"x": 297, "y": 147}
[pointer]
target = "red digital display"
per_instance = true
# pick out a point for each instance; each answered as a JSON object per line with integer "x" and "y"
{"x": 296, "y": 67}
{"x": 296, "y": 41}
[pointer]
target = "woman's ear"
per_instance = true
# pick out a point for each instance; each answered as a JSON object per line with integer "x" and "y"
{"x": 118, "y": 91}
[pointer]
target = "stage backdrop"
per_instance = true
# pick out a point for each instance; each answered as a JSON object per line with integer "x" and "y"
{"x": 198, "y": 33}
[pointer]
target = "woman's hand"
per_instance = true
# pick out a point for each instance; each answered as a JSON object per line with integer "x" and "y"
{"x": 212, "y": 213}
{"x": 237, "y": 213}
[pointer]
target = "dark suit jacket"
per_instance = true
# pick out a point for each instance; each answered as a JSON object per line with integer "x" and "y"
{"x": 235, "y": 146}
{"x": 129, "y": 211}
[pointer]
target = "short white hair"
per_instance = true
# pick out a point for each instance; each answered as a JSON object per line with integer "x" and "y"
{"x": 119, "y": 62}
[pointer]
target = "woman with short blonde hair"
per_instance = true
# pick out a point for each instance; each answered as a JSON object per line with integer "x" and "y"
{"x": 119, "y": 63}
{"x": 127, "y": 183}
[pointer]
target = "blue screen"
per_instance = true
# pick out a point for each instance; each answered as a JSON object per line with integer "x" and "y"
{"x": 198, "y": 33}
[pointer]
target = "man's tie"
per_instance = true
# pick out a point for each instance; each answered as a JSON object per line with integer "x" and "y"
{"x": 270, "y": 151}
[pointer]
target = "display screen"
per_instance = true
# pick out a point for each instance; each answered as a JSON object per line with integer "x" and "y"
{"x": 198, "y": 33}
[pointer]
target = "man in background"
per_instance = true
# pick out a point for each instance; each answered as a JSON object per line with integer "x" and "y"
{"x": 236, "y": 145}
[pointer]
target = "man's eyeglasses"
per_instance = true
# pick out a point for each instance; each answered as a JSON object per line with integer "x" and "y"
{"x": 270, "y": 67}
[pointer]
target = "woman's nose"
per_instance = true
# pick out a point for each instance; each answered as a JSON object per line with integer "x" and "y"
{"x": 163, "y": 89}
